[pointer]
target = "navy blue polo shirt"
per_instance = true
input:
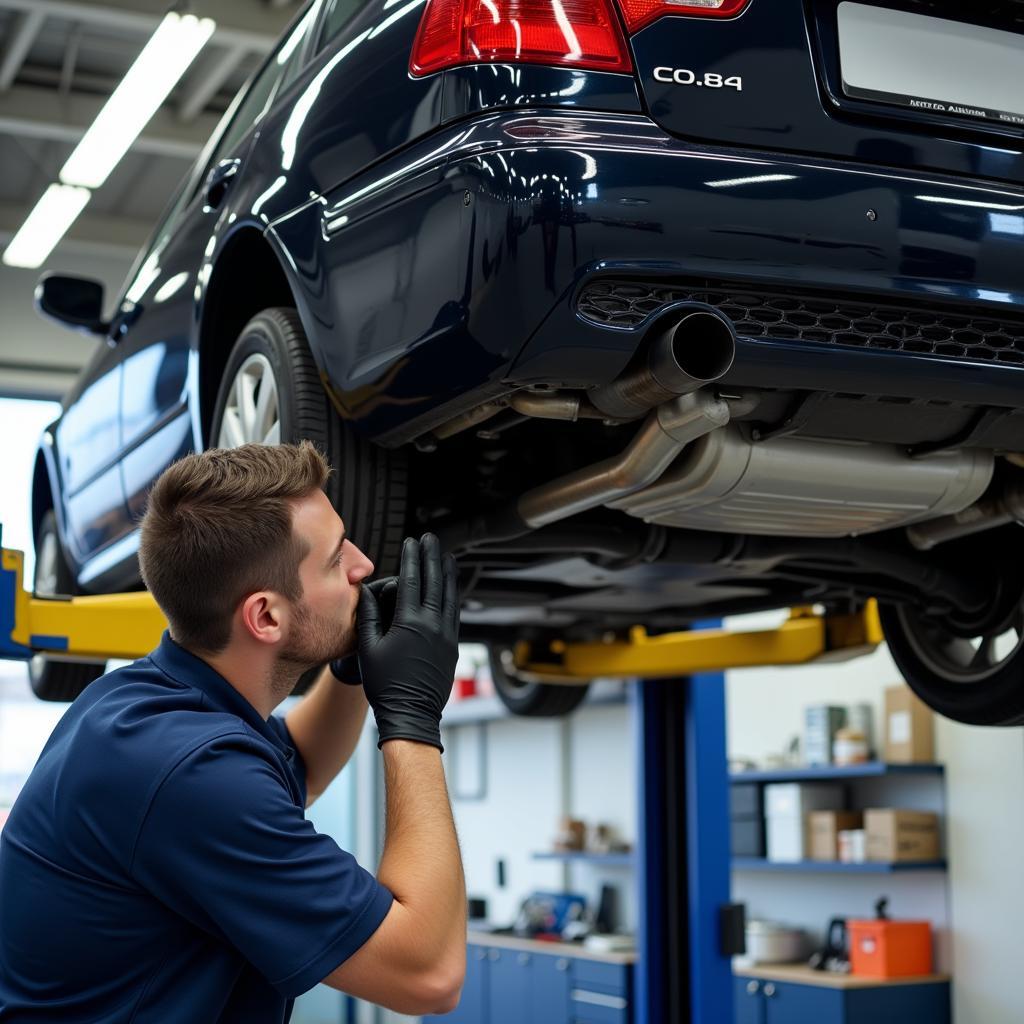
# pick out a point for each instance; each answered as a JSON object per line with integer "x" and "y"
{"x": 158, "y": 865}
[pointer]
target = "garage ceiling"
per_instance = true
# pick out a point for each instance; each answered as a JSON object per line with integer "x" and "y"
{"x": 60, "y": 60}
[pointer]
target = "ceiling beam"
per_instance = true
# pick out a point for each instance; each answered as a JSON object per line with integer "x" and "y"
{"x": 91, "y": 234}
{"x": 29, "y": 112}
{"x": 26, "y": 28}
{"x": 39, "y": 382}
{"x": 206, "y": 77}
{"x": 239, "y": 22}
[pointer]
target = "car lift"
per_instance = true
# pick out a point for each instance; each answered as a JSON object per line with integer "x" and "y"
{"x": 687, "y": 926}
{"x": 129, "y": 626}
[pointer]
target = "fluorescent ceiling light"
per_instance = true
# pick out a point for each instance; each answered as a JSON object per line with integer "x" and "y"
{"x": 164, "y": 59}
{"x": 45, "y": 225}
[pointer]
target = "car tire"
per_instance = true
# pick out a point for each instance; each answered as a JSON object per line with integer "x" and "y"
{"x": 527, "y": 698}
{"x": 53, "y": 679}
{"x": 369, "y": 484}
{"x": 974, "y": 680}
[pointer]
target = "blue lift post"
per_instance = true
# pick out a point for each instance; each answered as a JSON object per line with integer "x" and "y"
{"x": 683, "y": 850}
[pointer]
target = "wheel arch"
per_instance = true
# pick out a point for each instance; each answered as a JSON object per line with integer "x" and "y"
{"x": 248, "y": 277}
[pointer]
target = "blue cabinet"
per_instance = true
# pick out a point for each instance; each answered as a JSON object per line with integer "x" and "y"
{"x": 802, "y": 1004}
{"x": 550, "y": 985}
{"x": 523, "y": 986}
{"x": 750, "y": 1008}
{"x": 766, "y": 1001}
{"x": 472, "y": 1005}
{"x": 508, "y": 986}
{"x": 526, "y": 986}
{"x": 601, "y": 993}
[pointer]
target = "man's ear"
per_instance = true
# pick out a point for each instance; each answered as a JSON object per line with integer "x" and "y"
{"x": 262, "y": 616}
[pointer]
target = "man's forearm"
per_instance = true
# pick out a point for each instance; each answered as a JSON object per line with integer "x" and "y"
{"x": 325, "y": 726}
{"x": 421, "y": 863}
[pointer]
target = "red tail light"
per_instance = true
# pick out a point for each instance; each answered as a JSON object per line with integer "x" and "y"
{"x": 642, "y": 12}
{"x": 567, "y": 33}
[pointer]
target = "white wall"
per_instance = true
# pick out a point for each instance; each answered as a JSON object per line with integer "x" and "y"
{"x": 603, "y": 788}
{"x": 978, "y": 906}
{"x": 517, "y": 817}
{"x": 985, "y": 789}
{"x": 537, "y": 771}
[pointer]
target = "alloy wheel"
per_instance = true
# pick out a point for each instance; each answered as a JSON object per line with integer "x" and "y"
{"x": 965, "y": 660}
{"x": 252, "y": 412}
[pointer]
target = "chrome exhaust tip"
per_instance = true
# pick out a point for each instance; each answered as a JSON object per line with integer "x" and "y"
{"x": 691, "y": 346}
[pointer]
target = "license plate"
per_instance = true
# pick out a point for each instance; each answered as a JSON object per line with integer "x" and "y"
{"x": 931, "y": 64}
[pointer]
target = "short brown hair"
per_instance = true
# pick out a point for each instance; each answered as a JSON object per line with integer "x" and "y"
{"x": 218, "y": 527}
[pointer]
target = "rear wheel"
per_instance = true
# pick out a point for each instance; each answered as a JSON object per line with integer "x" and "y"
{"x": 271, "y": 393}
{"x": 51, "y": 678}
{"x": 525, "y": 697}
{"x": 974, "y": 676}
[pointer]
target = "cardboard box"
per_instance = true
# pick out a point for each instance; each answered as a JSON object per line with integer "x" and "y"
{"x": 895, "y": 835}
{"x": 823, "y": 832}
{"x": 821, "y": 723}
{"x": 909, "y": 733}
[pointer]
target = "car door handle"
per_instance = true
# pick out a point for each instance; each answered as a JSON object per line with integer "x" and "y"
{"x": 218, "y": 181}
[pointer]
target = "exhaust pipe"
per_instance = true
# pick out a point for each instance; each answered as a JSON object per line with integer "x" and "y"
{"x": 667, "y": 430}
{"x": 1000, "y": 510}
{"x": 696, "y": 348}
{"x": 665, "y": 433}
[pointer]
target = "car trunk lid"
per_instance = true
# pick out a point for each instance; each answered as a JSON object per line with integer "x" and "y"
{"x": 925, "y": 84}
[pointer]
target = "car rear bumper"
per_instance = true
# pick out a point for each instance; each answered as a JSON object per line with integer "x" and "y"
{"x": 804, "y": 253}
{"x": 915, "y": 281}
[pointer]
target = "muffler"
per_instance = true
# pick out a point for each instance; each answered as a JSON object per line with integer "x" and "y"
{"x": 691, "y": 346}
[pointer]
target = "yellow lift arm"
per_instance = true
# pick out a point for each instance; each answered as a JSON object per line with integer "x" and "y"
{"x": 804, "y": 638}
{"x": 105, "y": 626}
{"x": 129, "y": 626}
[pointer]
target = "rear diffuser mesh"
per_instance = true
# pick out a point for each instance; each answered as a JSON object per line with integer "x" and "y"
{"x": 827, "y": 320}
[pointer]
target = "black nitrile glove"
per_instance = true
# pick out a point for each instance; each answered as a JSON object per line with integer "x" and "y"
{"x": 346, "y": 669}
{"x": 408, "y": 669}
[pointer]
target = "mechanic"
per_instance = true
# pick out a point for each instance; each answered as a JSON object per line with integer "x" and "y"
{"x": 158, "y": 864}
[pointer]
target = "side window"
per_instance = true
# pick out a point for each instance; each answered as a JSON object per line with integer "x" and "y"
{"x": 292, "y": 53}
{"x": 282, "y": 65}
{"x": 341, "y": 12}
{"x": 251, "y": 109}
{"x": 147, "y": 268}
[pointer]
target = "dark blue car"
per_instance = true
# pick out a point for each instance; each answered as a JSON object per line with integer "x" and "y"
{"x": 654, "y": 310}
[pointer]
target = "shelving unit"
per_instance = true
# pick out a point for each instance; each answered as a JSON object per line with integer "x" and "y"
{"x": 609, "y": 859}
{"x": 837, "y": 867}
{"x": 826, "y": 773}
{"x": 841, "y": 774}
{"x": 793, "y": 890}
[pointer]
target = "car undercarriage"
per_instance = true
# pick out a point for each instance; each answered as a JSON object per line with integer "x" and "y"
{"x": 670, "y": 496}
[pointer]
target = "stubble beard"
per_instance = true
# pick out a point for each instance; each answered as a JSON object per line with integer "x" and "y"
{"x": 314, "y": 641}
